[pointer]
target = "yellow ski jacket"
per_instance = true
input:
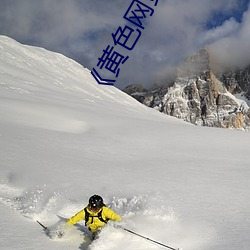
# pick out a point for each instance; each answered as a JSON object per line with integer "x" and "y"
{"x": 94, "y": 223}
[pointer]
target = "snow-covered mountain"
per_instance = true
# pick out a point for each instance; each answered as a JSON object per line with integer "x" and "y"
{"x": 202, "y": 96}
{"x": 63, "y": 138}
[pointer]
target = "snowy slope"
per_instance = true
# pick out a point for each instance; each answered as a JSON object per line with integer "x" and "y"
{"x": 63, "y": 138}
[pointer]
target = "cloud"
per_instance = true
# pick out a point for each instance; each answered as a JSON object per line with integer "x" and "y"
{"x": 233, "y": 49}
{"x": 228, "y": 28}
{"x": 81, "y": 29}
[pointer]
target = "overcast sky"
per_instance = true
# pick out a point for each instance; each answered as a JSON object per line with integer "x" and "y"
{"x": 81, "y": 29}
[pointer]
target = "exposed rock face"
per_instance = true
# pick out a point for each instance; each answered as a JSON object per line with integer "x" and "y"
{"x": 237, "y": 81}
{"x": 199, "y": 97}
{"x": 134, "y": 88}
{"x": 137, "y": 91}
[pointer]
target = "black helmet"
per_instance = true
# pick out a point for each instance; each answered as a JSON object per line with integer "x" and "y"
{"x": 96, "y": 202}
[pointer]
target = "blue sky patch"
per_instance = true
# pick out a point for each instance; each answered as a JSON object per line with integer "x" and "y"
{"x": 219, "y": 17}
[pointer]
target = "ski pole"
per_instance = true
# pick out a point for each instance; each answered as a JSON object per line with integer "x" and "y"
{"x": 146, "y": 238}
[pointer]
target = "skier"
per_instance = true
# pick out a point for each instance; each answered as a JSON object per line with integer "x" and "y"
{"x": 95, "y": 214}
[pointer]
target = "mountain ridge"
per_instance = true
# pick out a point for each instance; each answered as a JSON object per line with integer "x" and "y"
{"x": 200, "y": 95}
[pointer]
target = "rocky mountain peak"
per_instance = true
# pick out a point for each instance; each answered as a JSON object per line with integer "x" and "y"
{"x": 197, "y": 64}
{"x": 202, "y": 97}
